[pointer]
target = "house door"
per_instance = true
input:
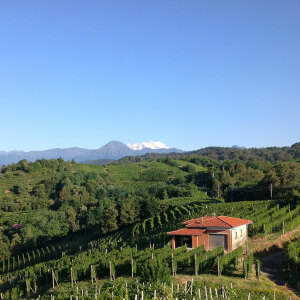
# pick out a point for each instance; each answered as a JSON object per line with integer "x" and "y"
{"x": 188, "y": 241}
{"x": 217, "y": 240}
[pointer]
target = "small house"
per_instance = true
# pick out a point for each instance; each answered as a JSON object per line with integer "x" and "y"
{"x": 211, "y": 232}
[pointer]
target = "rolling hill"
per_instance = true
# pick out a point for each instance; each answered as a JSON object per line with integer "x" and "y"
{"x": 111, "y": 151}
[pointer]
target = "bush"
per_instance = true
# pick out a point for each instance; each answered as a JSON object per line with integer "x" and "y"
{"x": 154, "y": 270}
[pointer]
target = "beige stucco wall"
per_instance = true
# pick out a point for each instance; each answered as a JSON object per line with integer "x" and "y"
{"x": 239, "y": 236}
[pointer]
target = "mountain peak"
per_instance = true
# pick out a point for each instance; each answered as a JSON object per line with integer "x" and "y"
{"x": 149, "y": 145}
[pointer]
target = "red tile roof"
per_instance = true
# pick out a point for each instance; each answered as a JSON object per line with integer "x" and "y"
{"x": 235, "y": 222}
{"x": 186, "y": 231}
{"x": 220, "y": 221}
{"x": 196, "y": 220}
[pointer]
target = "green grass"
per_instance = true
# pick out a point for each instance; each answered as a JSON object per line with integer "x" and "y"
{"x": 90, "y": 168}
{"x": 184, "y": 163}
{"x": 8, "y": 181}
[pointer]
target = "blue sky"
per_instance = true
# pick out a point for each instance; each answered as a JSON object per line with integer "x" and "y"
{"x": 189, "y": 73}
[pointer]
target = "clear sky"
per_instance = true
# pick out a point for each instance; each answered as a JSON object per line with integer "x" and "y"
{"x": 189, "y": 73}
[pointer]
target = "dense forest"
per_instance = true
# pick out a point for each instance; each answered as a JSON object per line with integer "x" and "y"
{"x": 269, "y": 154}
{"x": 48, "y": 199}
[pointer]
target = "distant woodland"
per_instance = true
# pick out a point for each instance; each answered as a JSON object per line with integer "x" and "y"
{"x": 46, "y": 200}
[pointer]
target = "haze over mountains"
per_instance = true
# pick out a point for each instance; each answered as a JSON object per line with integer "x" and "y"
{"x": 110, "y": 151}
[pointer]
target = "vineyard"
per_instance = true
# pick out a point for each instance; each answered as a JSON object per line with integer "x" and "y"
{"x": 142, "y": 255}
{"x": 148, "y": 265}
{"x": 266, "y": 216}
{"x": 291, "y": 269}
{"x": 132, "y": 289}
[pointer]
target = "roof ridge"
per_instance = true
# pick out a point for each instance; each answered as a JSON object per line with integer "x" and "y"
{"x": 224, "y": 221}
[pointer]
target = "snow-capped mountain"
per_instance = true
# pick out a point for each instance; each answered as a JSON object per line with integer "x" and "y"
{"x": 149, "y": 145}
{"x": 110, "y": 151}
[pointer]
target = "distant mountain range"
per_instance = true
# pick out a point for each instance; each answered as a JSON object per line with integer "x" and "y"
{"x": 111, "y": 151}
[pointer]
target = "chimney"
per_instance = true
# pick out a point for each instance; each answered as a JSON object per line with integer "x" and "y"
{"x": 201, "y": 220}
{"x": 213, "y": 214}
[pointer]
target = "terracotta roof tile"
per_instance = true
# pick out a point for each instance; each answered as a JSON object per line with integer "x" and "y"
{"x": 235, "y": 222}
{"x": 197, "y": 220}
{"x": 220, "y": 221}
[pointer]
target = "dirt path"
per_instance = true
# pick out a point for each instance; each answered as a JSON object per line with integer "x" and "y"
{"x": 270, "y": 268}
{"x": 273, "y": 242}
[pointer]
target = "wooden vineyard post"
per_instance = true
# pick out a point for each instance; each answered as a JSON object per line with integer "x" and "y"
{"x": 54, "y": 280}
{"x": 199, "y": 293}
{"x": 247, "y": 246}
{"x": 132, "y": 267}
{"x": 53, "y": 285}
{"x": 92, "y": 277}
{"x": 27, "y": 287}
{"x": 206, "y": 293}
{"x": 173, "y": 270}
{"x": 282, "y": 227}
{"x": 210, "y": 292}
{"x": 192, "y": 286}
{"x": 196, "y": 266}
{"x": 71, "y": 277}
{"x": 218, "y": 262}
{"x": 110, "y": 270}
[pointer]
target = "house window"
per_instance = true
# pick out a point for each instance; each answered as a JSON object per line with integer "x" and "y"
{"x": 241, "y": 232}
{"x": 236, "y": 235}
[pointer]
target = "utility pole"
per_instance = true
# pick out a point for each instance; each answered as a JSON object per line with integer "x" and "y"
{"x": 213, "y": 180}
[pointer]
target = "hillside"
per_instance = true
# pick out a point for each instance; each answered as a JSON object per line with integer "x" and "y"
{"x": 268, "y": 154}
{"x": 51, "y": 209}
{"x": 121, "y": 263}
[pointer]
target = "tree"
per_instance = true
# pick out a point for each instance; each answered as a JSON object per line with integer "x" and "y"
{"x": 27, "y": 233}
{"x": 23, "y": 165}
{"x": 109, "y": 219}
{"x": 16, "y": 241}
{"x": 4, "y": 250}
{"x": 40, "y": 191}
{"x": 71, "y": 218}
{"x": 149, "y": 207}
{"x": 128, "y": 212}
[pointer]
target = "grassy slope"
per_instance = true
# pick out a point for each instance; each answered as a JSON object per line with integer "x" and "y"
{"x": 252, "y": 285}
{"x": 123, "y": 173}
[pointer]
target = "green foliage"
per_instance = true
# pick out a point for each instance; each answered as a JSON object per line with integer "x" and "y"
{"x": 45, "y": 201}
{"x": 248, "y": 264}
{"x": 155, "y": 270}
{"x": 109, "y": 219}
{"x": 257, "y": 268}
{"x": 230, "y": 259}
